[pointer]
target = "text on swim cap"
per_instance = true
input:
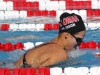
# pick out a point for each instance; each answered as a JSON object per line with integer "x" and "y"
{"x": 69, "y": 26}
{"x": 70, "y": 19}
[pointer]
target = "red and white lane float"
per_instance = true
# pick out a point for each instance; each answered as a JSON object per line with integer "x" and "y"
{"x": 5, "y": 71}
{"x": 51, "y": 71}
{"x": 95, "y": 70}
{"x": 97, "y": 54}
{"x": 28, "y": 27}
{"x": 85, "y": 14}
{"x": 91, "y": 45}
{"x": 40, "y": 27}
{"x": 17, "y": 46}
{"x": 26, "y": 8}
{"x": 8, "y": 46}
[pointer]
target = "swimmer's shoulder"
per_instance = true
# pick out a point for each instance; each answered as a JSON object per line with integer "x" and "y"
{"x": 57, "y": 50}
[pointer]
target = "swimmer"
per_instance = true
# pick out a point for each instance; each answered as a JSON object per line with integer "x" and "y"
{"x": 71, "y": 33}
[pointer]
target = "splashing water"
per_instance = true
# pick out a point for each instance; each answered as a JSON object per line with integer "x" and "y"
{"x": 19, "y": 37}
{"x": 35, "y": 20}
{"x": 10, "y": 57}
{"x": 7, "y": 65}
{"x": 76, "y": 53}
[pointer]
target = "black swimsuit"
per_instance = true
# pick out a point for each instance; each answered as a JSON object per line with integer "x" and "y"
{"x": 25, "y": 65}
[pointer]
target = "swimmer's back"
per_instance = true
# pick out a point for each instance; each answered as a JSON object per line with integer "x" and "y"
{"x": 51, "y": 52}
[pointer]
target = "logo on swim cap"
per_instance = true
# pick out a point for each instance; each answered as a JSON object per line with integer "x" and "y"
{"x": 70, "y": 19}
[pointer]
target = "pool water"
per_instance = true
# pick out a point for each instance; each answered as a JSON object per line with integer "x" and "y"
{"x": 77, "y": 59}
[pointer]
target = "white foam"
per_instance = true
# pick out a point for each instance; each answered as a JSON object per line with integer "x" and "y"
{"x": 76, "y": 53}
{"x": 7, "y": 65}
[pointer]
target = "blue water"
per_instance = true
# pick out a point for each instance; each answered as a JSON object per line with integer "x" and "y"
{"x": 86, "y": 59}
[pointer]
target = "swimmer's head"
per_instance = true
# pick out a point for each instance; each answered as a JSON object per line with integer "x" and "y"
{"x": 73, "y": 29}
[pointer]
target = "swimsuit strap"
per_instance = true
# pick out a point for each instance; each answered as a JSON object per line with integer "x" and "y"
{"x": 24, "y": 60}
{"x": 25, "y": 65}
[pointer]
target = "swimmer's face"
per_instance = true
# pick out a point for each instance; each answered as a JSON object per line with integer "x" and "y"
{"x": 74, "y": 40}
